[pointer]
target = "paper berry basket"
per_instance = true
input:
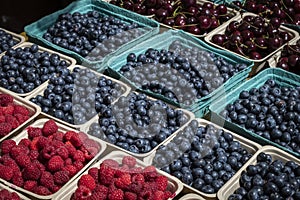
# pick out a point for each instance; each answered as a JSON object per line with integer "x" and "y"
{"x": 70, "y": 61}
{"x": 276, "y": 154}
{"x": 191, "y": 197}
{"x": 33, "y": 109}
{"x": 11, "y": 190}
{"x": 62, "y": 128}
{"x": 174, "y": 185}
{"x": 250, "y": 146}
{"x": 125, "y": 91}
{"x": 17, "y": 37}
{"x": 111, "y": 147}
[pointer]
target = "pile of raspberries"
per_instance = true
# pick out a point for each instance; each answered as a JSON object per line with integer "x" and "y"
{"x": 47, "y": 159}
{"x": 126, "y": 181}
{"x": 12, "y": 115}
{"x": 7, "y": 195}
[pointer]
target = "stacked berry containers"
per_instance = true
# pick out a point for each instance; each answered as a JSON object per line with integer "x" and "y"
{"x": 173, "y": 184}
{"x": 27, "y": 67}
{"x": 11, "y": 191}
{"x": 191, "y": 80}
{"x": 85, "y": 42}
{"x": 85, "y": 88}
{"x": 273, "y": 159}
{"x": 37, "y": 144}
{"x": 9, "y": 39}
{"x": 259, "y": 50}
{"x": 137, "y": 124}
{"x": 173, "y": 154}
{"x": 31, "y": 112}
{"x": 265, "y": 96}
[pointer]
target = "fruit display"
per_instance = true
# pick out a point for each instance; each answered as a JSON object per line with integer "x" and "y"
{"x": 137, "y": 124}
{"x": 92, "y": 35}
{"x": 252, "y": 36}
{"x": 26, "y": 67}
{"x": 270, "y": 176}
{"x": 180, "y": 73}
{"x": 279, "y": 11}
{"x": 7, "y": 41}
{"x": 45, "y": 158}
{"x": 125, "y": 179}
{"x": 203, "y": 156}
{"x": 76, "y": 96}
{"x": 270, "y": 111}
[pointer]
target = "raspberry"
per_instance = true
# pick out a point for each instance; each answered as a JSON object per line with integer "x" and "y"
{"x": 55, "y": 188}
{"x": 63, "y": 152}
{"x": 55, "y": 163}
{"x": 97, "y": 196}
{"x": 26, "y": 142}
{"x": 17, "y": 179}
{"x": 6, "y": 99}
{"x": 2, "y": 118}
{"x": 48, "y": 152}
{"x": 5, "y": 158}
{"x": 57, "y": 144}
{"x": 5, "y": 128}
{"x": 33, "y": 145}
{"x": 68, "y": 161}
{"x": 71, "y": 169}
{"x": 91, "y": 143}
{"x": 138, "y": 178}
{"x": 130, "y": 196}
{"x": 21, "y": 118}
{"x": 31, "y": 172}
{"x": 43, "y": 142}
{"x": 161, "y": 182}
{"x": 79, "y": 165}
{"x": 87, "y": 181}
{"x": 94, "y": 172}
{"x": 6, "y": 173}
{"x": 33, "y": 155}
{"x": 72, "y": 150}
{"x": 58, "y": 136}
{"x": 158, "y": 195}
{"x": 23, "y": 160}
{"x": 17, "y": 150}
{"x": 41, "y": 190}
{"x": 21, "y": 110}
{"x": 146, "y": 194}
{"x": 30, "y": 185}
{"x": 68, "y": 135}
{"x": 7, "y": 110}
{"x": 47, "y": 179}
{"x": 79, "y": 156}
{"x": 168, "y": 194}
{"x": 89, "y": 153}
{"x": 33, "y": 132}
{"x": 39, "y": 165}
{"x": 110, "y": 162}
{"x": 116, "y": 195}
{"x": 12, "y": 121}
{"x": 150, "y": 173}
{"x": 6, "y": 146}
{"x": 49, "y": 128}
{"x": 6, "y": 195}
{"x": 82, "y": 192}
{"x": 135, "y": 187}
{"x": 101, "y": 189}
{"x": 83, "y": 136}
{"x": 76, "y": 140}
{"x": 106, "y": 174}
{"x": 129, "y": 161}
{"x": 12, "y": 164}
{"x": 122, "y": 170}
{"x": 61, "y": 177}
{"x": 123, "y": 182}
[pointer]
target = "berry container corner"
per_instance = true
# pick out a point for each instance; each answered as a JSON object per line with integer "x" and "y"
{"x": 233, "y": 184}
{"x": 247, "y": 144}
{"x": 34, "y": 112}
{"x": 125, "y": 91}
{"x": 221, "y": 30}
{"x": 191, "y": 196}
{"x": 173, "y": 183}
{"x": 39, "y": 123}
{"x": 282, "y": 77}
{"x": 11, "y": 190}
{"x": 36, "y": 30}
{"x": 164, "y": 40}
{"x": 17, "y": 37}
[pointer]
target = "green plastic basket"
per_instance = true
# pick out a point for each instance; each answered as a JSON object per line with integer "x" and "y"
{"x": 282, "y": 77}
{"x": 36, "y": 30}
{"x": 163, "y": 41}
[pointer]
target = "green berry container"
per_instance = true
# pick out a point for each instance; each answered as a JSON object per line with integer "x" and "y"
{"x": 282, "y": 78}
{"x": 163, "y": 41}
{"x": 36, "y": 30}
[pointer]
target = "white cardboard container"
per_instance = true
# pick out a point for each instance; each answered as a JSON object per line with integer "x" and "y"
{"x": 11, "y": 190}
{"x": 17, "y": 37}
{"x": 250, "y": 146}
{"x": 233, "y": 184}
{"x": 191, "y": 197}
{"x": 40, "y": 91}
{"x": 39, "y": 123}
{"x": 174, "y": 184}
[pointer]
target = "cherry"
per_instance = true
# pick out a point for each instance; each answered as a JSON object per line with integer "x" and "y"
{"x": 251, "y": 6}
{"x": 214, "y": 23}
{"x": 294, "y": 60}
{"x": 150, "y": 3}
{"x": 180, "y": 21}
{"x": 168, "y": 7}
{"x": 235, "y": 39}
{"x": 218, "y": 39}
{"x": 193, "y": 10}
{"x": 282, "y": 63}
{"x": 249, "y": 46}
{"x": 169, "y": 21}
{"x": 222, "y": 9}
{"x": 274, "y": 43}
{"x": 151, "y": 11}
{"x": 244, "y": 26}
{"x": 247, "y": 34}
{"x": 232, "y": 26}
{"x": 194, "y": 30}
{"x": 188, "y": 3}
{"x": 248, "y": 18}
{"x": 275, "y": 22}
{"x": 255, "y": 55}
{"x": 205, "y": 22}
{"x": 191, "y": 20}
{"x": 208, "y": 5}
{"x": 279, "y": 13}
{"x": 285, "y": 36}
{"x": 289, "y": 2}
{"x": 206, "y": 12}
{"x": 161, "y": 13}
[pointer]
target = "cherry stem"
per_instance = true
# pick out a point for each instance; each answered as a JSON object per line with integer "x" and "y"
{"x": 283, "y": 4}
{"x": 187, "y": 25}
{"x": 175, "y": 11}
{"x": 288, "y": 16}
{"x": 293, "y": 48}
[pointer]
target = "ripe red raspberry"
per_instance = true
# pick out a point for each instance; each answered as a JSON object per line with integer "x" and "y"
{"x": 47, "y": 179}
{"x": 106, "y": 174}
{"x": 21, "y": 118}
{"x": 6, "y": 146}
{"x": 39, "y": 165}
{"x": 49, "y": 128}
{"x": 168, "y": 194}
{"x": 63, "y": 152}
{"x": 110, "y": 162}
{"x": 89, "y": 153}
{"x": 21, "y": 110}
{"x": 7, "y": 110}
{"x": 76, "y": 140}
{"x": 23, "y": 160}
{"x": 2, "y": 118}
{"x": 12, "y": 121}
{"x": 150, "y": 173}
{"x": 26, "y": 142}
{"x": 61, "y": 177}
{"x": 94, "y": 172}
{"x": 55, "y": 188}
{"x": 79, "y": 156}
{"x": 31, "y": 172}
{"x": 129, "y": 161}
{"x": 161, "y": 182}
{"x": 68, "y": 161}
{"x": 17, "y": 179}
{"x": 157, "y": 195}
{"x": 79, "y": 165}
{"x": 5, "y": 158}
{"x": 68, "y": 135}
{"x": 48, "y": 152}
{"x": 33, "y": 155}
{"x": 81, "y": 192}
{"x": 6, "y": 99}
{"x": 41, "y": 190}
{"x": 138, "y": 178}
{"x": 130, "y": 196}
{"x": 71, "y": 169}
{"x": 5, "y": 194}
{"x": 33, "y": 132}
{"x": 30, "y": 185}
{"x": 87, "y": 181}
{"x": 135, "y": 187}
{"x": 116, "y": 195}
{"x": 12, "y": 164}
{"x": 83, "y": 136}
{"x": 91, "y": 143}
{"x": 43, "y": 142}
{"x": 55, "y": 163}
{"x": 17, "y": 150}
{"x": 58, "y": 136}
{"x": 72, "y": 150}
{"x": 121, "y": 170}
{"x": 146, "y": 194}
{"x": 5, "y": 129}
{"x": 101, "y": 189}
{"x": 123, "y": 182}
{"x": 57, "y": 144}
{"x": 6, "y": 173}
{"x": 97, "y": 196}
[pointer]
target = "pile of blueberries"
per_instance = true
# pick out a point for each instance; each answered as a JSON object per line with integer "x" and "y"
{"x": 136, "y": 123}
{"x": 269, "y": 179}
{"x": 271, "y": 111}
{"x": 203, "y": 157}
{"x": 76, "y": 97}
{"x": 6, "y": 41}
{"x": 92, "y": 34}
{"x": 181, "y": 74}
{"x": 25, "y": 68}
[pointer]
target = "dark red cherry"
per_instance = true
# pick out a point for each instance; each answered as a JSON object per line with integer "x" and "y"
{"x": 251, "y": 6}
{"x": 294, "y": 60}
{"x": 214, "y": 23}
{"x": 248, "y": 18}
{"x": 275, "y": 22}
{"x": 161, "y": 13}
{"x": 208, "y": 5}
{"x": 218, "y": 39}
{"x": 244, "y": 26}
{"x": 191, "y": 20}
{"x": 289, "y": 3}
{"x": 193, "y": 10}
{"x": 222, "y": 9}
{"x": 255, "y": 55}
{"x": 188, "y": 3}
{"x": 285, "y": 36}
{"x": 249, "y": 46}
{"x": 232, "y": 26}
{"x": 151, "y": 11}
{"x": 194, "y": 30}
{"x": 279, "y": 13}
{"x": 283, "y": 64}
{"x": 247, "y": 35}
{"x": 274, "y": 43}
{"x": 150, "y": 3}
{"x": 169, "y": 21}
{"x": 205, "y": 22}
